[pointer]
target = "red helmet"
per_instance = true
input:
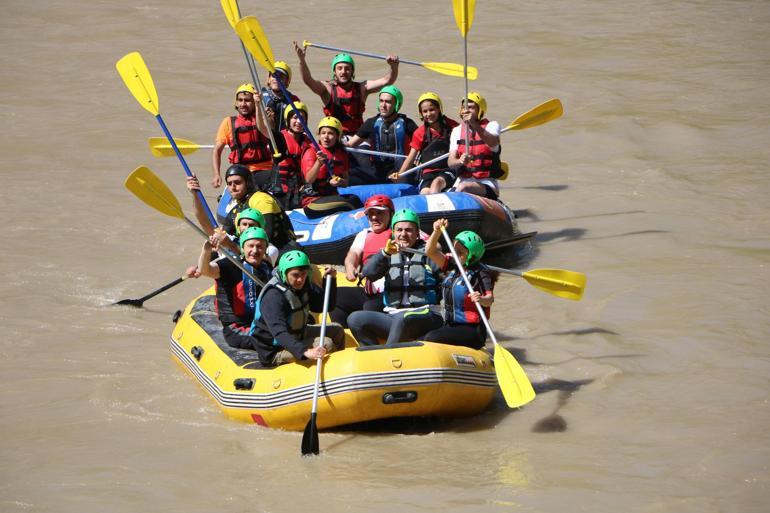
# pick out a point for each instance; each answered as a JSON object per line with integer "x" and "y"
{"x": 380, "y": 202}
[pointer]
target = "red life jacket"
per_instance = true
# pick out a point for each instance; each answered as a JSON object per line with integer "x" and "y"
{"x": 249, "y": 146}
{"x": 373, "y": 244}
{"x": 484, "y": 162}
{"x": 289, "y": 171}
{"x": 321, "y": 186}
{"x": 347, "y": 106}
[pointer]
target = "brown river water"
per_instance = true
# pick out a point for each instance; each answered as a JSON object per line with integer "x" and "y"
{"x": 653, "y": 390}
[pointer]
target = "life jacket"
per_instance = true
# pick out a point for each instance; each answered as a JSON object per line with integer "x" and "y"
{"x": 421, "y": 286}
{"x": 249, "y": 145}
{"x": 347, "y": 106}
{"x": 298, "y": 303}
{"x": 433, "y": 147}
{"x": 321, "y": 186}
{"x": 391, "y": 139}
{"x": 289, "y": 172}
{"x": 373, "y": 244}
{"x": 458, "y": 307}
{"x": 239, "y": 304}
{"x": 484, "y": 162}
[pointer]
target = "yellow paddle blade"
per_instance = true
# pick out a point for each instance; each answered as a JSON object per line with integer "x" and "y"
{"x": 451, "y": 69}
{"x": 505, "y": 167}
{"x": 150, "y": 189}
{"x": 137, "y": 78}
{"x": 160, "y": 147}
{"x": 463, "y": 10}
{"x": 232, "y": 13}
{"x": 543, "y": 113}
{"x": 559, "y": 282}
{"x": 253, "y": 37}
{"x": 514, "y": 383}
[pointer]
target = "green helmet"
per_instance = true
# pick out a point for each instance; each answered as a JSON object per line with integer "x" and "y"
{"x": 291, "y": 260}
{"x": 253, "y": 232}
{"x": 473, "y": 244}
{"x": 404, "y": 215}
{"x": 396, "y": 93}
{"x": 343, "y": 57}
{"x": 249, "y": 213}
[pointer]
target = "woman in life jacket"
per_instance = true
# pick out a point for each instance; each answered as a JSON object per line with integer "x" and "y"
{"x": 272, "y": 95}
{"x": 479, "y": 165}
{"x": 327, "y": 169}
{"x": 281, "y": 329}
{"x": 462, "y": 324}
{"x": 287, "y": 173}
{"x": 236, "y": 292}
{"x": 246, "y": 135}
{"x": 410, "y": 294}
{"x": 369, "y": 241}
{"x": 430, "y": 141}
{"x": 343, "y": 97}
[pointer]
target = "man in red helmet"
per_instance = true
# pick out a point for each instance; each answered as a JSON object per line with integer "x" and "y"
{"x": 369, "y": 241}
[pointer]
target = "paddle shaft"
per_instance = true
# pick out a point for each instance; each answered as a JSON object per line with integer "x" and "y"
{"x": 187, "y": 171}
{"x": 327, "y": 291}
{"x": 376, "y": 153}
{"x": 356, "y": 52}
{"x": 423, "y": 165}
{"x": 164, "y": 288}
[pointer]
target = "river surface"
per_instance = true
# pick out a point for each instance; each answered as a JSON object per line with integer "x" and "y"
{"x": 653, "y": 390}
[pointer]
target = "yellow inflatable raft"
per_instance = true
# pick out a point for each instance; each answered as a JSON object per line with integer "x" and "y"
{"x": 358, "y": 384}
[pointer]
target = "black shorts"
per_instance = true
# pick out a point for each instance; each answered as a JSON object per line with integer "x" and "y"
{"x": 447, "y": 174}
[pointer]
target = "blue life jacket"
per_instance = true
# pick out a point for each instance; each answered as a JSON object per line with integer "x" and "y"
{"x": 391, "y": 139}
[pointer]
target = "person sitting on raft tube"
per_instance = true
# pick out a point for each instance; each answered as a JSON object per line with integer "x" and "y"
{"x": 388, "y": 132}
{"x": 241, "y": 189}
{"x": 343, "y": 97}
{"x": 287, "y": 174}
{"x": 410, "y": 294}
{"x": 430, "y": 141}
{"x": 281, "y": 329}
{"x": 462, "y": 324}
{"x": 369, "y": 241}
{"x": 319, "y": 179}
{"x": 478, "y": 166}
{"x": 246, "y": 135}
{"x": 272, "y": 95}
{"x": 236, "y": 293}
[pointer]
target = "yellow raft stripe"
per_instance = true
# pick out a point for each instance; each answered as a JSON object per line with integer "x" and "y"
{"x": 336, "y": 386}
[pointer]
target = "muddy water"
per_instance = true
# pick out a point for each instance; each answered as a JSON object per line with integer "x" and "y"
{"x": 653, "y": 391}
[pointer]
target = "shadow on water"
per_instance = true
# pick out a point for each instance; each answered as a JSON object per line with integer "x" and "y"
{"x": 504, "y": 337}
{"x": 528, "y": 214}
{"x": 555, "y": 187}
{"x": 553, "y": 422}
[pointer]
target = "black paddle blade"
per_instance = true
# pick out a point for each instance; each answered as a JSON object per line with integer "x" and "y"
{"x": 130, "y": 302}
{"x": 310, "y": 437}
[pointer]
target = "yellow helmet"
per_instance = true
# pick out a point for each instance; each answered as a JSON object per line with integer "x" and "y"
{"x": 288, "y": 111}
{"x": 330, "y": 122}
{"x": 429, "y": 96}
{"x": 281, "y": 65}
{"x": 480, "y": 101}
{"x": 245, "y": 88}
